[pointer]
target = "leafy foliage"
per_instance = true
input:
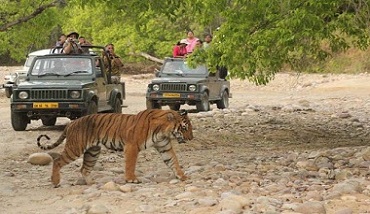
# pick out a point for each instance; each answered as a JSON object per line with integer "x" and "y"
{"x": 255, "y": 39}
{"x": 30, "y": 35}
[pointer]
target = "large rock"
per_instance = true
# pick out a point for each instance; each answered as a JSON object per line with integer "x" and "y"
{"x": 40, "y": 159}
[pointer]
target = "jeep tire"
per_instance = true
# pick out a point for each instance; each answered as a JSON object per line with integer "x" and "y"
{"x": 175, "y": 107}
{"x": 48, "y": 121}
{"x": 224, "y": 101}
{"x": 203, "y": 104}
{"x": 150, "y": 104}
{"x": 117, "y": 107}
{"x": 92, "y": 108}
{"x": 19, "y": 121}
{"x": 8, "y": 92}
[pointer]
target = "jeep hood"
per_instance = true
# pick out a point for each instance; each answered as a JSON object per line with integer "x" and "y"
{"x": 189, "y": 80}
{"x": 54, "y": 84}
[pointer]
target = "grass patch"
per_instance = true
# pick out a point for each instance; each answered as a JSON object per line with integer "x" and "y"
{"x": 353, "y": 61}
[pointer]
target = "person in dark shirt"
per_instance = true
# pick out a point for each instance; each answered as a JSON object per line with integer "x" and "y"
{"x": 115, "y": 61}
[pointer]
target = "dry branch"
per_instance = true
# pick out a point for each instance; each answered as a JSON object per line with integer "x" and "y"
{"x": 35, "y": 13}
{"x": 147, "y": 56}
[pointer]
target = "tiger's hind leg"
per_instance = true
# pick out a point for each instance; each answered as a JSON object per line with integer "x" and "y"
{"x": 58, "y": 163}
{"x": 169, "y": 158}
{"x": 91, "y": 155}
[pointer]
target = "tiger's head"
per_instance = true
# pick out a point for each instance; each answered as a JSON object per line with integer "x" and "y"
{"x": 183, "y": 130}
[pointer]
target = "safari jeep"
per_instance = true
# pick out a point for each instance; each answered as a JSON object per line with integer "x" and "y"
{"x": 61, "y": 85}
{"x": 177, "y": 84}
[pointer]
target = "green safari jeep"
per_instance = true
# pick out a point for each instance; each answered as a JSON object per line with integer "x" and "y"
{"x": 65, "y": 85}
{"x": 177, "y": 84}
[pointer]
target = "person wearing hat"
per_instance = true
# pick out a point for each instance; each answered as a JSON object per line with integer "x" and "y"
{"x": 179, "y": 51}
{"x": 71, "y": 44}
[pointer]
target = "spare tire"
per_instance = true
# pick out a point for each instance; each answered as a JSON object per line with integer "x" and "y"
{"x": 222, "y": 70}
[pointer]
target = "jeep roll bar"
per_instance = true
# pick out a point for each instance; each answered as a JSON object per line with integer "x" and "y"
{"x": 59, "y": 50}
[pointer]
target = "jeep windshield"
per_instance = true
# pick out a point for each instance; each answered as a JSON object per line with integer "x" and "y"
{"x": 61, "y": 66}
{"x": 181, "y": 68}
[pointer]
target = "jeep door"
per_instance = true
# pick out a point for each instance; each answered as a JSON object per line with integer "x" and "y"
{"x": 213, "y": 86}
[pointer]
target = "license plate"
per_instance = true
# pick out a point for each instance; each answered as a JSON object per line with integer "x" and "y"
{"x": 45, "y": 105}
{"x": 171, "y": 95}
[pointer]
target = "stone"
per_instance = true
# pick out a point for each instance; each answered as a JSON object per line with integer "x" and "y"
{"x": 311, "y": 207}
{"x": 98, "y": 209}
{"x": 40, "y": 159}
{"x": 366, "y": 154}
{"x": 110, "y": 186}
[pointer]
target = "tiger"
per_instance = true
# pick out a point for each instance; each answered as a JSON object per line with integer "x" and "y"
{"x": 129, "y": 133}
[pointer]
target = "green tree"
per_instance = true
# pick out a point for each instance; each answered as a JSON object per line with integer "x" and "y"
{"x": 26, "y": 25}
{"x": 256, "y": 38}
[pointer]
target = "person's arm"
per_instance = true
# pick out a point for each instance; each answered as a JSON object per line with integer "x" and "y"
{"x": 176, "y": 51}
{"x": 67, "y": 47}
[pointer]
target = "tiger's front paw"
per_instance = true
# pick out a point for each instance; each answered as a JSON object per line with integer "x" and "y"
{"x": 132, "y": 180}
{"x": 135, "y": 181}
{"x": 183, "y": 178}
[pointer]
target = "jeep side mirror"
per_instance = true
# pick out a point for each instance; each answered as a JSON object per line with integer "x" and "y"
{"x": 156, "y": 72}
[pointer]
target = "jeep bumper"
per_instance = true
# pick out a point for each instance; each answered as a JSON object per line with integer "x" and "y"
{"x": 8, "y": 85}
{"x": 174, "y": 97}
{"x": 35, "y": 110}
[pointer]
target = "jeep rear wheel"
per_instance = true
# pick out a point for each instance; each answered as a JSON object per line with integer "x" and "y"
{"x": 224, "y": 102}
{"x": 92, "y": 108}
{"x": 49, "y": 121}
{"x": 175, "y": 107}
{"x": 117, "y": 107}
{"x": 203, "y": 104}
{"x": 19, "y": 121}
{"x": 150, "y": 104}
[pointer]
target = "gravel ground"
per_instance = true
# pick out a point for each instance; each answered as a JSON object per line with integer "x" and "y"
{"x": 297, "y": 145}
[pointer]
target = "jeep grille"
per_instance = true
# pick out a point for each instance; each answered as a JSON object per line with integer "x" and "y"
{"x": 49, "y": 94}
{"x": 173, "y": 87}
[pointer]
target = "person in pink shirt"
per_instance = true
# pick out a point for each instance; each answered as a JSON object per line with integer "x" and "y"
{"x": 192, "y": 40}
{"x": 179, "y": 51}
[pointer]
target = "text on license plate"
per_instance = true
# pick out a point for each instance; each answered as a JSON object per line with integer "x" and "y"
{"x": 45, "y": 105}
{"x": 171, "y": 95}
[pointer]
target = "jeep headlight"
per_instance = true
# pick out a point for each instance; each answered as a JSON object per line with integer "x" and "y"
{"x": 23, "y": 95}
{"x": 192, "y": 87}
{"x": 75, "y": 94}
{"x": 155, "y": 87}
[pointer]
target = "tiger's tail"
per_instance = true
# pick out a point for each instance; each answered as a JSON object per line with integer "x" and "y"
{"x": 51, "y": 146}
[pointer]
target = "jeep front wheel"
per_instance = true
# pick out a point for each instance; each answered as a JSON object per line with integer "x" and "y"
{"x": 48, "y": 121}
{"x": 203, "y": 104}
{"x": 150, "y": 104}
{"x": 224, "y": 102}
{"x": 92, "y": 108}
{"x": 8, "y": 92}
{"x": 19, "y": 121}
{"x": 175, "y": 107}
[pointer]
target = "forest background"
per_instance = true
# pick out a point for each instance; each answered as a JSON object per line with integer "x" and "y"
{"x": 255, "y": 39}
